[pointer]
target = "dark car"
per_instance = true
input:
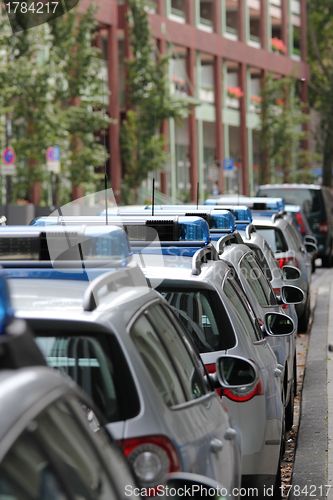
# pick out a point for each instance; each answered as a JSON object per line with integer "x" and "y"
{"x": 317, "y": 203}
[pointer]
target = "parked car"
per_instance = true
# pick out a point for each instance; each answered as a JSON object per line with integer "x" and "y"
{"x": 296, "y": 216}
{"x": 263, "y": 299}
{"x": 115, "y": 340}
{"x": 317, "y": 203}
{"x": 289, "y": 250}
{"x": 219, "y": 318}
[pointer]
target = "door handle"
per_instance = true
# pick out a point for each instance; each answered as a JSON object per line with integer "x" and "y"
{"x": 277, "y": 372}
{"x": 230, "y": 433}
{"x": 216, "y": 445}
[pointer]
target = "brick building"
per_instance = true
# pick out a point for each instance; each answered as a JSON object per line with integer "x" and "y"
{"x": 221, "y": 49}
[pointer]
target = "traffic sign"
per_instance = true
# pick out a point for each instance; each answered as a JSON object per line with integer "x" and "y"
{"x": 229, "y": 164}
{"x": 53, "y": 159}
{"x": 8, "y": 158}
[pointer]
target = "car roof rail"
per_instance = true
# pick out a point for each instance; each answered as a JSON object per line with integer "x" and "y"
{"x": 228, "y": 239}
{"x": 279, "y": 215}
{"x": 249, "y": 230}
{"x": 200, "y": 256}
{"x": 111, "y": 281}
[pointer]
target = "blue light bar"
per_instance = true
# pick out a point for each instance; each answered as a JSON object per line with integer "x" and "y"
{"x": 223, "y": 220}
{"x": 6, "y": 311}
{"x": 19, "y": 243}
{"x": 194, "y": 229}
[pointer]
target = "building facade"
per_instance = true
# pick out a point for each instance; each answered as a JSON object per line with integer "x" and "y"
{"x": 220, "y": 52}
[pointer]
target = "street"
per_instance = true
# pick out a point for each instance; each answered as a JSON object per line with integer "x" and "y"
{"x": 313, "y": 465}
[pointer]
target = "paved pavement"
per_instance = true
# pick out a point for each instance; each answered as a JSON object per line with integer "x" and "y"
{"x": 313, "y": 468}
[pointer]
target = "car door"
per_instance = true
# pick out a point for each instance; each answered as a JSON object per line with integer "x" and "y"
{"x": 200, "y": 423}
{"x": 268, "y": 425}
{"x": 57, "y": 457}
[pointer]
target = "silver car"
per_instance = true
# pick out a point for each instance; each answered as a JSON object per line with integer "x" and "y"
{"x": 289, "y": 249}
{"x": 278, "y": 278}
{"x": 220, "y": 318}
{"x": 124, "y": 347}
{"x": 262, "y": 298}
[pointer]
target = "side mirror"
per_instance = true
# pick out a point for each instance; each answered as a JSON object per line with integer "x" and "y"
{"x": 310, "y": 247}
{"x": 292, "y": 294}
{"x": 236, "y": 372}
{"x": 278, "y": 324}
{"x": 290, "y": 273}
{"x": 308, "y": 238}
{"x": 196, "y": 485}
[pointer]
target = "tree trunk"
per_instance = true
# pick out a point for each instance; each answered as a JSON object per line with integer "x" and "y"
{"x": 36, "y": 193}
{"x": 77, "y": 192}
{"x": 328, "y": 158}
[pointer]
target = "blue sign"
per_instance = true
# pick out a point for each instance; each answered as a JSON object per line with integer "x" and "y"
{"x": 53, "y": 153}
{"x": 8, "y": 156}
{"x": 229, "y": 164}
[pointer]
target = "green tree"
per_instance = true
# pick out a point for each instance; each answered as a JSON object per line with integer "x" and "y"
{"x": 320, "y": 26}
{"x": 82, "y": 93}
{"x": 149, "y": 103}
{"x": 283, "y": 117}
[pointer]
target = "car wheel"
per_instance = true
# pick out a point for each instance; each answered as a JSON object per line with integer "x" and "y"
{"x": 313, "y": 265}
{"x": 278, "y": 484}
{"x": 303, "y": 321}
{"x": 295, "y": 375}
{"x": 289, "y": 411}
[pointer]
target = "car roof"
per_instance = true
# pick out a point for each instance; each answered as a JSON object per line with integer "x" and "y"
{"x": 24, "y": 393}
{"x": 47, "y": 297}
{"x": 290, "y": 186}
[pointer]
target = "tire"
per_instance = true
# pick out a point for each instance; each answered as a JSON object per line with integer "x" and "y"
{"x": 303, "y": 321}
{"x": 278, "y": 483}
{"x": 295, "y": 376}
{"x": 326, "y": 261}
{"x": 289, "y": 410}
{"x": 313, "y": 266}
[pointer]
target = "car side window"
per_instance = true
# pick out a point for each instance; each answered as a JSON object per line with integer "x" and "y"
{"x": 191, "y": 378}
{"x": 67, "y": 442}
{"x": 252, "y": 275}
{"x": 157, "y": 362}
{"x": 26, "y": 473}
{"x": 238, "y": 304}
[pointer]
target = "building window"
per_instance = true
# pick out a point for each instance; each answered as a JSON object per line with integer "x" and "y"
{"x": 178, "y": 10}
{"x": 275, "y": 11}
{"x": 207, "y": 14}
{"x": 255, "y": 91}
{"x": 231, "y": 18}
{"x": 254, "y": 21}
{"x": 178, "y": 72}
{"x": 206, "y": 91}
{"x": 210, "y": 170}
{"x": 296, "y": 28}
{"x": 233, "y": 92}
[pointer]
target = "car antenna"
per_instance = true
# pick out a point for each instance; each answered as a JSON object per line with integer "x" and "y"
{"x": 153, "y": 198}
{"x": 198, "y": 185}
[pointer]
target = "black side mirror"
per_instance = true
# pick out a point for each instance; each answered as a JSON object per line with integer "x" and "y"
{"x": 308, "y": 238}
{"x": 236, "y": 372}
{"x": 277, "y": 324}
{"x": 196, "y": 485}
{"x": 310, "y": 247}
{"x": 292, "y": 294}
{"x": 290, "y": 273}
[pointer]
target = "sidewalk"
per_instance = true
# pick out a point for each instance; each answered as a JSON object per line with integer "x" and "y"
{"x": 313, "y": 467}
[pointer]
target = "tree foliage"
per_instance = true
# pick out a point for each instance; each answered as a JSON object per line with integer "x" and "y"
{"x": 320, "y": 26}
{"x": 52, "y": 94}
{"x": 149, "y": 103}
{"x": 283, "y": 116}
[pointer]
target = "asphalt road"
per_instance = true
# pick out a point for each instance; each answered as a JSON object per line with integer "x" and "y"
{"x": 313, "y": 466}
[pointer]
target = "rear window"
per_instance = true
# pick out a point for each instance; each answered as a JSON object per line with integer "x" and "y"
{"x": 97, "y": 365}
{"x": 311, "y": 200}
{"x": 203, "y": 315}
{"x": 274, "y": 238}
